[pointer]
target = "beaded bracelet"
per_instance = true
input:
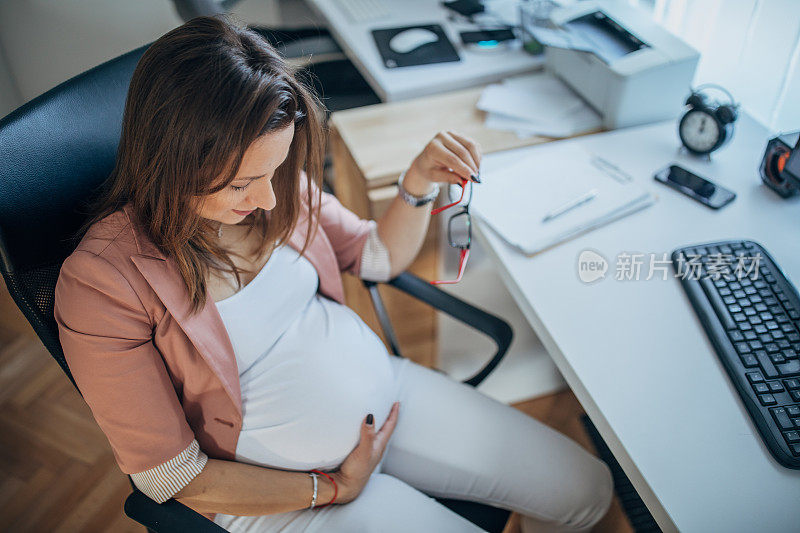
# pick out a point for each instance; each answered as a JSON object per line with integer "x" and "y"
{"x": 335, "y": 488}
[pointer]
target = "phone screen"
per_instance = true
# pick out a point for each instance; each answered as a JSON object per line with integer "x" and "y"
{"x": 696, "y": 187}
{"x": 700, "y": 186}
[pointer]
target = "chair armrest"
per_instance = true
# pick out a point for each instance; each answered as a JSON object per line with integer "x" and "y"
{"x": 492, "y": 326}
{"x": 168, "y": 517}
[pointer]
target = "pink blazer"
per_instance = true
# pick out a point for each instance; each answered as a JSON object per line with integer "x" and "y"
{"x": 155, "y": 376}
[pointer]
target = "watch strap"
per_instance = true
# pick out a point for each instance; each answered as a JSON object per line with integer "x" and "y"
{"x": 412, "y": 199}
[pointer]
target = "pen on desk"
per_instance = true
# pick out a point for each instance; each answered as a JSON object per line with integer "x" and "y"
{"x": 572, "y": 204}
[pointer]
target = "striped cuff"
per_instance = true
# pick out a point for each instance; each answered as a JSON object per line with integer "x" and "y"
{"x": 375, "y": 263}
{"x": 162, "y": 482}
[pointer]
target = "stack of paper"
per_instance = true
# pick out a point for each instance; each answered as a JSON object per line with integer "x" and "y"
{"x": 515, "y": 201}
{"x": 537, "y": 104}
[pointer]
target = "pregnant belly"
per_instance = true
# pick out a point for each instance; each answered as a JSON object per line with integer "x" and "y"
{"x": 304, "y": 402}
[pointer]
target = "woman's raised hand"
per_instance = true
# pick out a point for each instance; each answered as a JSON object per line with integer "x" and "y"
{"x": 357, "y": 467}
{"x": 448, "y": 157}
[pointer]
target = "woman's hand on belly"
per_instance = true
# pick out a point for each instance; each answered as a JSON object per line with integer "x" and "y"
{"x": 358, "y": 466}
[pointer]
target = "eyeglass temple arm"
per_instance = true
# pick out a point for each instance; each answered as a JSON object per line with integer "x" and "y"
{"x": 492, "y": 326}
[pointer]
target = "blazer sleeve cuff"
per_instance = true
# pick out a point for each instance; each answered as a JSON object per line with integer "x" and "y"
{"x": 375, "y": 262}
{"x": 162, "y": 482}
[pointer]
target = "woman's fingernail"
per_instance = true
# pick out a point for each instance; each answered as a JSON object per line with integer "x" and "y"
{"x": 476, "y": 178}
{"x": 370, "y": 419}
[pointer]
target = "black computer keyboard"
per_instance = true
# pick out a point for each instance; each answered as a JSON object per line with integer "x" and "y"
{"x": 751, "y": 313}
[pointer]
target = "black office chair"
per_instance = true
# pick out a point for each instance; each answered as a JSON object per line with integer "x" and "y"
{"x": 55, "y": 151}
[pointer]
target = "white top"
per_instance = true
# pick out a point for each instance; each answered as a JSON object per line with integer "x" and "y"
{"x": 310, "y": 369}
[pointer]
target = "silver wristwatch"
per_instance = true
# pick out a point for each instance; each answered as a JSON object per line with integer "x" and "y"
{"x": 413, "y": 200}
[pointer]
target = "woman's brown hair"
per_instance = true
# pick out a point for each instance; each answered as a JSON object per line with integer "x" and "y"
{"x": 200, "y": 95}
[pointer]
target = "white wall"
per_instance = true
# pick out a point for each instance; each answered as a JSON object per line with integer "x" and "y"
{"x": 749, "y": 46}
{"x": 49, "y": 41}
{"x": 10, "y": 97}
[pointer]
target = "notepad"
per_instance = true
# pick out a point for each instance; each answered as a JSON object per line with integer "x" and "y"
{"x": 513, "y": 201}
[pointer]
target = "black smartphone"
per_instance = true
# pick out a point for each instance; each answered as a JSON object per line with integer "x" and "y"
{"x": 694, "y": 186}
{"x": 487, "y": 38}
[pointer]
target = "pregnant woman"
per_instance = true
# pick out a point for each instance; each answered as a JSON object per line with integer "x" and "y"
{"x": 202, "y": 317}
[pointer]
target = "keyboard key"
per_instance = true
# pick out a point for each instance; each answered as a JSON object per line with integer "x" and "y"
{"x": 749, "y": 335}
{"x": 769, "y": 399}
{"x": 795, "y": 394}
{"x": 749, "y": 360}
{"x": 771, "y": 347}
{"x": 795, "y": 449}
{"x": 792, "y": 437}
{"x": 777, "y": 358}
{"x": 736, "y": 335}
{"x": 793, "y": 410}
{"x": 790, "y": 353}
{"x": 743, "y": 347}
{"x": 775, "y": 386}
{"x": 770, "y": 372}
{"x": 792, "y": 368}
{"x": 755, "y": 377}
{"x": 792, "y": 384}
{"x": 782, "y": 418}
{"x": 796, "y": 422}
{"x": 763, "y": 388}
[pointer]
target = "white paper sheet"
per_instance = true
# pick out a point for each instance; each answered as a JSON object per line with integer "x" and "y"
{"x": 513, "y": 201}
{"x": 537, "y": 104}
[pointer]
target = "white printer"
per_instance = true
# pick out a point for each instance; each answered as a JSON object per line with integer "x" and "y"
{"x": 630, "y": 69}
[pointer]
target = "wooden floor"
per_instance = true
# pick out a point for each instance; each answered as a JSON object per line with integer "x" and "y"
{"x": 57, "y": 472}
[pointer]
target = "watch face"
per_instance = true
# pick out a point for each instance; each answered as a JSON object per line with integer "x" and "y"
{"x": 699, "y": 131}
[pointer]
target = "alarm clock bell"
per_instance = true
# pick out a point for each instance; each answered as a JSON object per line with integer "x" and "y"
{"x": 707, "y": 124}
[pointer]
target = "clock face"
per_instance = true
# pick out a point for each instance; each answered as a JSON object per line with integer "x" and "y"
{"x": 699, "y": 131}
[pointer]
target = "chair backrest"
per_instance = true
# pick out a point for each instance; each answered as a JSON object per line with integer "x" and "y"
{"x": 55, "y": 151}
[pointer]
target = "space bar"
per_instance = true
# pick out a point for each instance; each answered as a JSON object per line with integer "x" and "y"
{"x": 717, "y": 304}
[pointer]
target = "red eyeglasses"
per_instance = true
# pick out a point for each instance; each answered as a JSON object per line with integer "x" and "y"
{"x": 459, "y": 227}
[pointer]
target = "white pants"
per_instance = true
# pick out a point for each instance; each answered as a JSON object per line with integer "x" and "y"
{"x": 453, "y": 441}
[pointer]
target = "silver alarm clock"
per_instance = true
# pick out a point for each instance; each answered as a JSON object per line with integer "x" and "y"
{"x": 707, "y": 125}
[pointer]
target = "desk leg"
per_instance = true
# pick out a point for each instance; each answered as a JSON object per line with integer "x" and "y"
{"x": 414, "y": 322}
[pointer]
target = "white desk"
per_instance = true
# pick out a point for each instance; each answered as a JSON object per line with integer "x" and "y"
{"x": 475, "y": 68}
{"x": 636, "y": 355}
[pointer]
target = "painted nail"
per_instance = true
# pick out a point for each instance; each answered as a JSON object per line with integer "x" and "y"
{"x": 476, "y": 178}
{"x": 370, "y": 419}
